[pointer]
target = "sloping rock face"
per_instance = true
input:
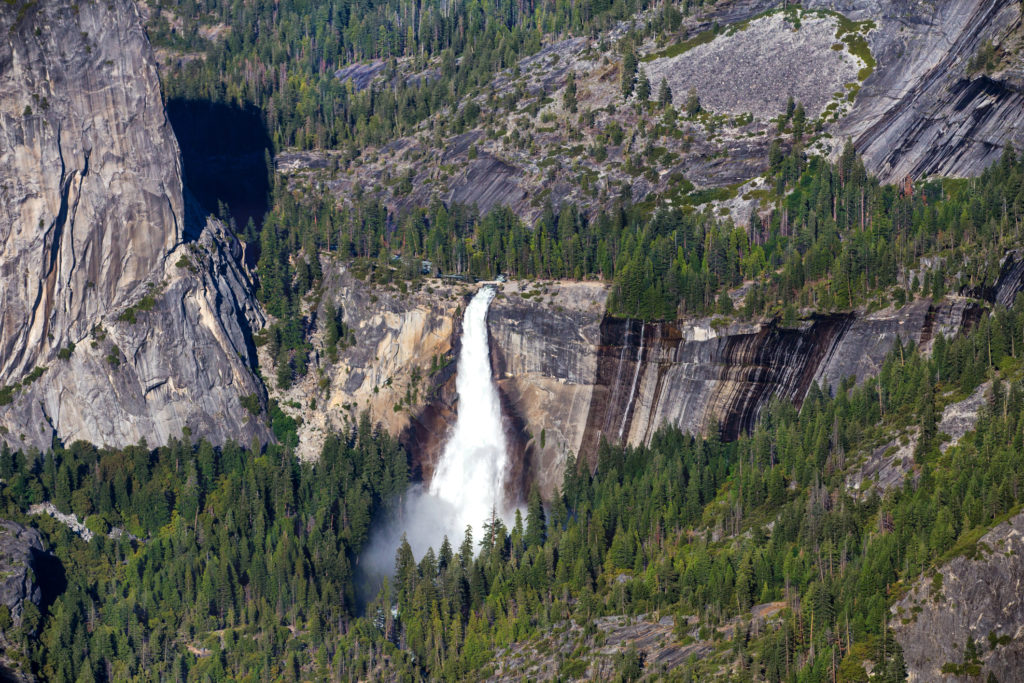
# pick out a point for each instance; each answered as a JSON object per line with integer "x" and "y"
{"x": 921, "y": 112}
{"x": 974, "y": 597}
{"x": 757, "y": 68}
{"x": 99, "y": 248}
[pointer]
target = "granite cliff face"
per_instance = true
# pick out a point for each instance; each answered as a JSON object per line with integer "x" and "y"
{"x": 572, "y": 376}
{"x": 90, "y": 178}
{"x": 973, "y": 596}
{"x": 395, "y": 359}
{"x": 569, "y": 376}
{"x": 544, "y": 357}
{"x": 100, "y": 249}
{"x": 922, "y": 112}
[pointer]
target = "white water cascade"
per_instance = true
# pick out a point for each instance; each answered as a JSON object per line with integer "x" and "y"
{"x": 469, "y": 480}
{"x": 470, "y": 475}
{"x": 636, "y": 376}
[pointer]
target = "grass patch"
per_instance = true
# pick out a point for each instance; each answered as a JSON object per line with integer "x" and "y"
{"x": 146, "y": 303}
{"x": 701, "y": 38}
{"x": 711, "y": 194}
{"x": 7, "y": 392}
{"x": 852, "y": 33}
{"x": 969, "y": 544}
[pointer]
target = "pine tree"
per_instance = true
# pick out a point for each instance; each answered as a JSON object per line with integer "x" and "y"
{"x": 692, "y": 103}
{"x": 643, "y": 88}
{"x": 629, "y": 63}
{"x": 406, "y": 572}
{"x": 664, "y": 93}
{"x": 536, "y": 523}
{"x": 569, "y": 97}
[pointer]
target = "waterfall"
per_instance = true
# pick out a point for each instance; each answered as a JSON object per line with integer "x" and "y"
{"x": 632, "y": 387}
{"x": 470, "y": 475}
{"x": 469, "y": 480}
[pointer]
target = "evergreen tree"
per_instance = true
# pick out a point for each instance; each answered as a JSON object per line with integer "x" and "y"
{"x": 664, "y": 93}
{"x": 643, "y": 88}
{"x": 692, "y": 103}
{"x": 536, "y": 523}
{"x": 569, "y": 96}
{"x": 629, "y": 66}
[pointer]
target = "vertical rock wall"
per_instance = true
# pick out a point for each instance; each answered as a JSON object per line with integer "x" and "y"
{"x": 573, "y": 377}
{"x": 90, "y": 178}
{"x": 136, "y": 310}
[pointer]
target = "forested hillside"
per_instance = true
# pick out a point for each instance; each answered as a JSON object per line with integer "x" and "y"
{"x": 360, "y": 149}
{"x": 353, "y": 81}
{"x": 834, "y": 240}
{"x": 282, "y": 57}
{"x": 227, "y": 564}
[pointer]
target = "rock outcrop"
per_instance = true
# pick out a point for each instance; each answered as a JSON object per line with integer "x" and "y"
{"x": 922, "y": 112}
{"x": 19, "y": 549}
{"x": 972, "y": 596}
{"x": 134, "y": 310}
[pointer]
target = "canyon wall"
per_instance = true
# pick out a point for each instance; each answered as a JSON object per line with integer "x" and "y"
{"x": 569, "y": 376}
{"x": 125, "y": 314}
{"x": 573, "y": 376}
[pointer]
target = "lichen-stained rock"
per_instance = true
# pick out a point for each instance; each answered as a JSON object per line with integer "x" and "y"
{"x": 700, "y": 376}
{"x": 974, "y": 596}
{"x": 100, "y": 250}
{"x": 571, "y": 376}
{"x": 866, "y": 342}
